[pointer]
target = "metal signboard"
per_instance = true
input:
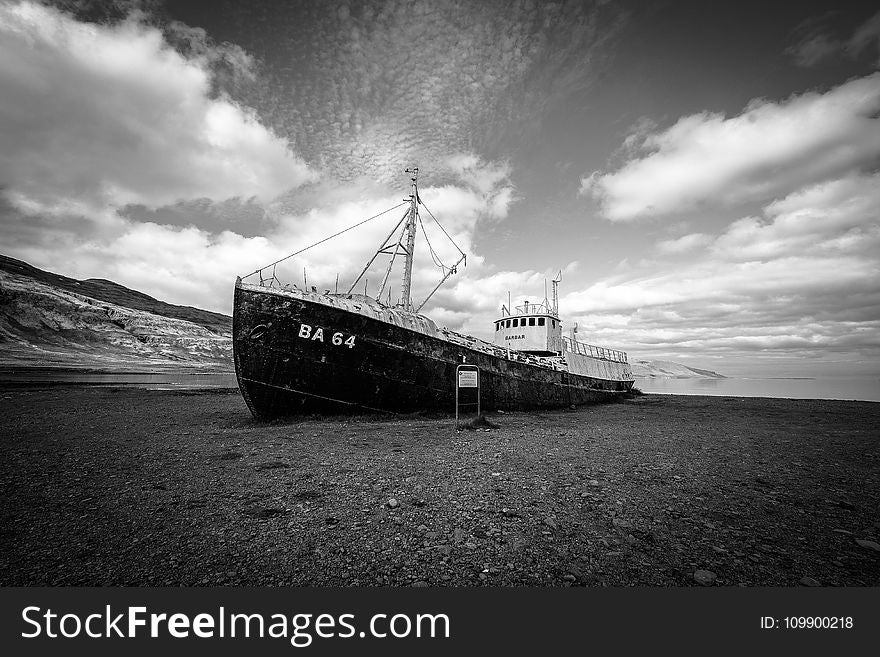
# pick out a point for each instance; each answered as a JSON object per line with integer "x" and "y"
{"x": 467, "y": 390}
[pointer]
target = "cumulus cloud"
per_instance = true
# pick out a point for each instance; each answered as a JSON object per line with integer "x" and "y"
{"x": 813, "y": 220}
{"x": 798, "y": 280}
{"x": 684, "y": 244}
{"x": 119, "y": 152}
{"x": 769, "y": 149}
{"x": 111, "y": 115}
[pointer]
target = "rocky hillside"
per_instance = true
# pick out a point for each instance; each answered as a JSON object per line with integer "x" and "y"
{"x": 52, "y": 320}
{"x": 104, "y": 290}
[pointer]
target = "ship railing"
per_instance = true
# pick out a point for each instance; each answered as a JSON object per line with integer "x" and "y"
{"x": 554, "y": 362}
{"x": 593, "y": 351}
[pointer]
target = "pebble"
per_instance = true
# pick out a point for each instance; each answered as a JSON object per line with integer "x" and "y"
{"x": 392, "y": 503}
{"x": 620, "y": 523}
{"x": 705, "y": 577}
{"x": 809, "y": 581}
{"x": 870, "y": 545}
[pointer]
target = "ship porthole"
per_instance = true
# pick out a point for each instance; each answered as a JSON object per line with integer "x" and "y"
{"x": 258, "y": 332}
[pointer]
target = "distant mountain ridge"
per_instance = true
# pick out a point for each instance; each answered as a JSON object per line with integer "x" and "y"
{"x": 51, "y": 320}
{"x": 669, "y": 370}
{"x": 104, "y": 290}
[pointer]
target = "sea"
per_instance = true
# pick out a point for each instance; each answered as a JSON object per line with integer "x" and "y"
{"x": 862, "y": 388}
{"x": 165, "y": 380}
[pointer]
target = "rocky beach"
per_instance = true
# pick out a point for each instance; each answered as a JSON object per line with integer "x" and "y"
{"x": 124, "y": 486}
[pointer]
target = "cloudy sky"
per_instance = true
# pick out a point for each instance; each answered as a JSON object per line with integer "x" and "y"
{"x": 705, "y": 174}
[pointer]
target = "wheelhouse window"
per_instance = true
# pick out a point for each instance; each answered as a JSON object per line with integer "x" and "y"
{"x": 540, "y": 321}
{"x": 531, "y": 321}
{"x": 553, "y": 323}
{"x": 508, "y": 323}
{"x": 515, "y": 323}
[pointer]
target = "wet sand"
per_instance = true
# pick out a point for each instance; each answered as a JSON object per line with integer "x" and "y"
{"x": 121, "y": 486}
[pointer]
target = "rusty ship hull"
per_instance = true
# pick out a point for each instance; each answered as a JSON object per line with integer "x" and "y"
{"x": 302, "y": 354}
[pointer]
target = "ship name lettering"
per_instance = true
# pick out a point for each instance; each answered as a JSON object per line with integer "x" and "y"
{"x": 338, "y": 339}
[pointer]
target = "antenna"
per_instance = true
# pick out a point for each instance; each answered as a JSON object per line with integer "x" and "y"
{"x": 556, "y": 281}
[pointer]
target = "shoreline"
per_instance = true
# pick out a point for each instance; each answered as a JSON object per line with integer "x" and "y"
{"x": 35, "y": 376}
{"x": 37, "y": 384}
{"x": 121, "y": 486}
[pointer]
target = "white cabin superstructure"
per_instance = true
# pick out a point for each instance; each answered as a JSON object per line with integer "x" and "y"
{"x": 534, "y": 328}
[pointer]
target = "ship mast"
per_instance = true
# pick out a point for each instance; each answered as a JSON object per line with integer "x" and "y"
{"x": 410, "y": 232}
{"x": 393, "y": 246}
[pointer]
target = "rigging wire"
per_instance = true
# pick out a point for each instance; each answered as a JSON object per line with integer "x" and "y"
{"x": 441, "y": 227}
{"x": 375, "y": 216}
{"x": 434, "y": 256}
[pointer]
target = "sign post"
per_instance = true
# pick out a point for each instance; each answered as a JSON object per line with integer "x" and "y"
{"x": 467, "y": 389}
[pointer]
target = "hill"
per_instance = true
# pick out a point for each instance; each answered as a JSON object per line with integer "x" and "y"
{"x": 669, "y": 370}
{"x": 52, "y": 320}
{"x": 103, "y": 290}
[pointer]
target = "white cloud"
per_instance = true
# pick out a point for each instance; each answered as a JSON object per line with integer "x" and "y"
{"x": 110, "y": 114}
{"x": 800, "y": 280}
{"x": 490, "y": 180}
{"x": 867, "y": 33}
{"x": 191, "y": 266}
{"x": 808, "y": 221}
{"x": 94, "y": 117}
{"x": 381, "y": 86}
{"x": 684, "y": 244}
{"x": 813, "y": 49}
{"x": 769, "y": 149}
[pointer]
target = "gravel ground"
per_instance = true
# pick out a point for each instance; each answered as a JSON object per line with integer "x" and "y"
{"x": 120, "y": 486}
